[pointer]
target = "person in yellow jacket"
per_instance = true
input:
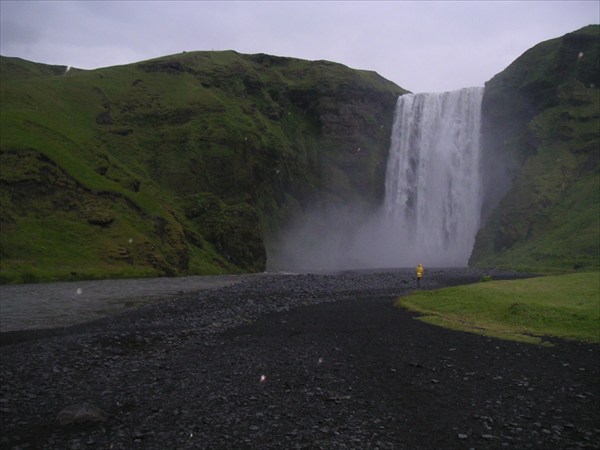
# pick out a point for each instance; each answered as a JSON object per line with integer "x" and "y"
{"x": 420, "y": 271}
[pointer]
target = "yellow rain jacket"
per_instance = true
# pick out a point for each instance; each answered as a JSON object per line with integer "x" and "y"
{"x": 420, "y": 271}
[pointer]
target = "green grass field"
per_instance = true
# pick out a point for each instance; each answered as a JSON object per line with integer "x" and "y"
{"x": 528, "y": 310}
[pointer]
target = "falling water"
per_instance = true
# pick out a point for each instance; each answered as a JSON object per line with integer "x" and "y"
{"x": 432, "y": 205}
{"x": 433, "y": 186}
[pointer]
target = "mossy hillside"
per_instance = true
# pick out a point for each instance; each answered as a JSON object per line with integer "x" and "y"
{"x": 57, "y": 226}
{"x": 262, "y": 134}
{"x": 49, "y": 158}
{"x": 543, "y": 114}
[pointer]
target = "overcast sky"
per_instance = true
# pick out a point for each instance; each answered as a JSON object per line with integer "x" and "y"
{"x": 423, "y": 46}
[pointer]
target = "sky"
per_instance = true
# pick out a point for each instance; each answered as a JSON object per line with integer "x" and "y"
{"x": 422, "y": 46}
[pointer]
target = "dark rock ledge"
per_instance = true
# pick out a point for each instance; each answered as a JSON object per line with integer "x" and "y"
{"x": 304, "y": 361}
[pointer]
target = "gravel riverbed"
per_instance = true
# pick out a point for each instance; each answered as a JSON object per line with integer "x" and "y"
{"x": 293, "y": 361}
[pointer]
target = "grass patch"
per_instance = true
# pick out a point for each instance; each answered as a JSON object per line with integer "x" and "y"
{"x": 562, "y": 306}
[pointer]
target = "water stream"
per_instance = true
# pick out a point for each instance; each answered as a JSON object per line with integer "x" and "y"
{"x": 45, "y": 305}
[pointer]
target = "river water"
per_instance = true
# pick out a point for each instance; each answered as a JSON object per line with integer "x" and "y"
{"x": 46, "y": 305}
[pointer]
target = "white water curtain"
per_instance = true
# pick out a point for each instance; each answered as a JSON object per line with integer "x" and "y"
{"x": 432, "y": 205}
{"x": 433, "y": 183}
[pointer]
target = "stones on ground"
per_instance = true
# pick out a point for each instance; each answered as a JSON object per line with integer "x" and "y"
{"x": 81, "y": 413}
{"x": 188, "y": 384}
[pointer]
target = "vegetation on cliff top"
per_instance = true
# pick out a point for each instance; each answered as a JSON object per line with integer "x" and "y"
{"x": 177, "y": 165}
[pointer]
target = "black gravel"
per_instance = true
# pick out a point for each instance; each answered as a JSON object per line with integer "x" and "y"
{"x": 294, "y": 361}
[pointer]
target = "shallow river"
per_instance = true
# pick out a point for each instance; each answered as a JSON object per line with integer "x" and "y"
{"x": 45, "y": 305}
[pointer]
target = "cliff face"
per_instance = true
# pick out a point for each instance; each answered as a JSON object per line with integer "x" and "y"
{"x": 178, "y": 165}
{"x": 541, "y": 127}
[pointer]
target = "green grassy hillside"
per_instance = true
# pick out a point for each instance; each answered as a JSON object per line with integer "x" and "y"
{"x": 542, "y": 115}
{"x": 178, "y": 165}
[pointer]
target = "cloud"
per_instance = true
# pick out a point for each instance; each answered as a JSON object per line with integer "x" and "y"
{"x": 421, "y": 46}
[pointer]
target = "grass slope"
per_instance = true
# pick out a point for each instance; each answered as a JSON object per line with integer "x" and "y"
{"x": 544, "y": 112}
{"x": 564, "y": 306}
{"x": 176, "y": 165}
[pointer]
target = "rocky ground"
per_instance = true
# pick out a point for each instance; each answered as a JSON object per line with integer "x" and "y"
{"x": 293, "y": 361}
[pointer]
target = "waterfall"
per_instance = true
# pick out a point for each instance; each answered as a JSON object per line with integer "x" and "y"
{"x": 433, "y": 184}
{"x": 432, "y": 203}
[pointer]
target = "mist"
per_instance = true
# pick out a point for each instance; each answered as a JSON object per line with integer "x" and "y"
{"x": 352, "y": 238}
{"x": 335, "y": 238}
{"x": 433, "y": 197}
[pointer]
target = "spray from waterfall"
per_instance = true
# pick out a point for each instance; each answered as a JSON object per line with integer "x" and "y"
{"x": 432, "y": 202}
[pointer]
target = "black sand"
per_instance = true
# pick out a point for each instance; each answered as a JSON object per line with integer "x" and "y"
{"x": 294, "y": 362}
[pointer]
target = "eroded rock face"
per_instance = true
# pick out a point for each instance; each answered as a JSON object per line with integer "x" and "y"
{"x": 356, "y": 127}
